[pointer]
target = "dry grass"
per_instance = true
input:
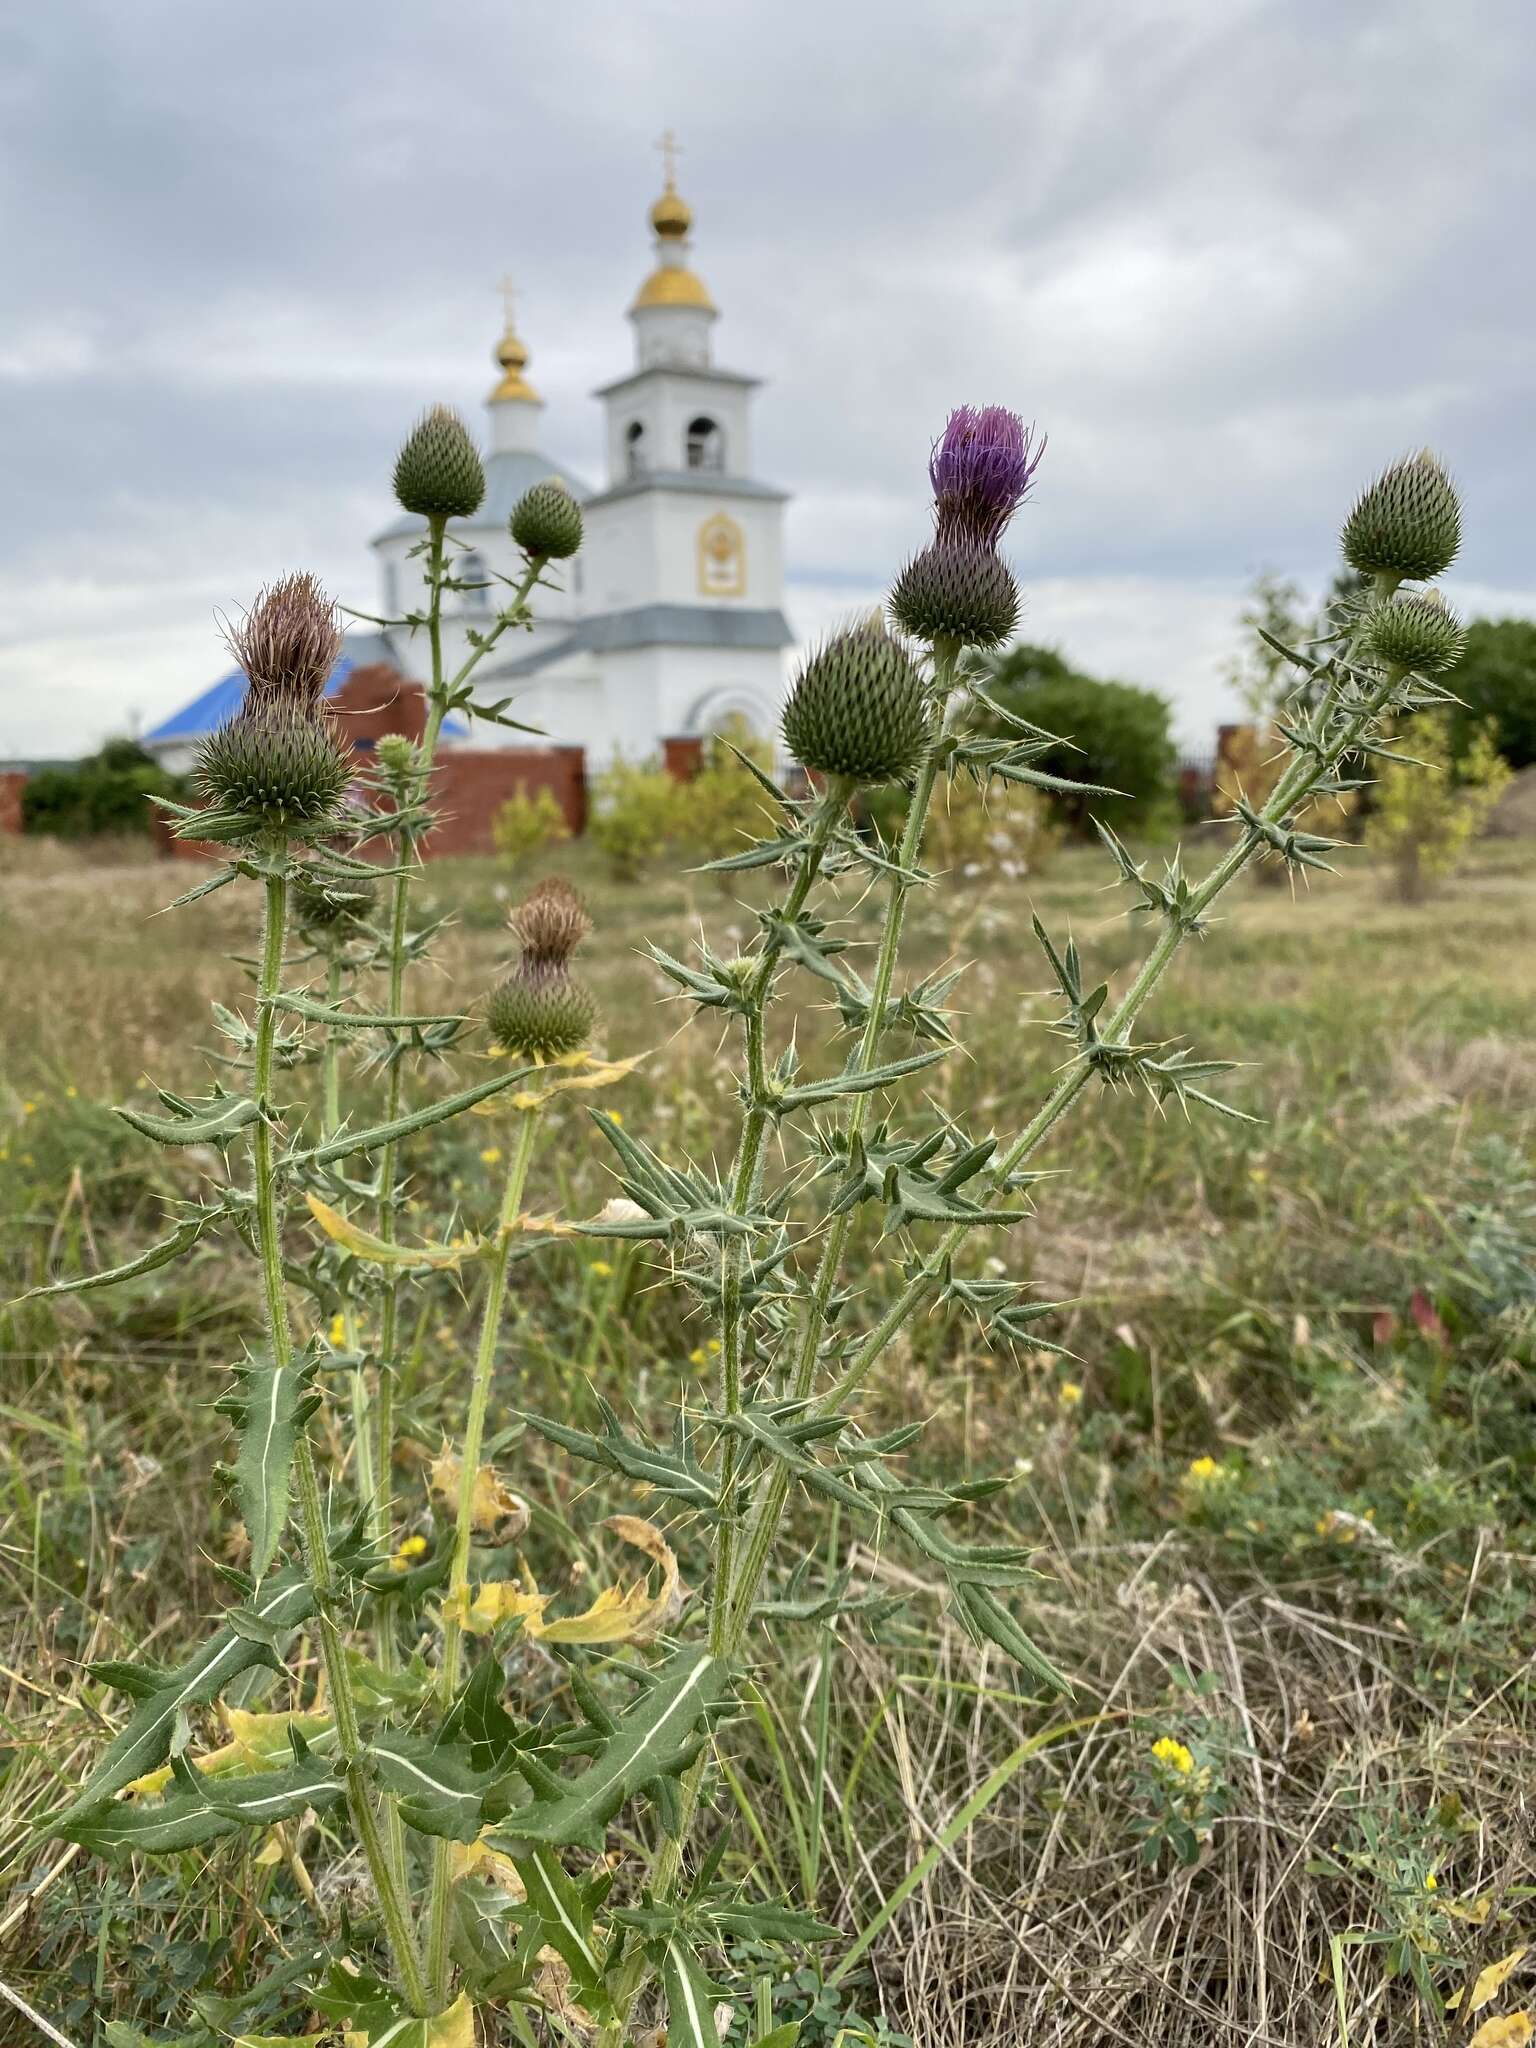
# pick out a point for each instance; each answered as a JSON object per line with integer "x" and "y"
{"x": 1229, "y": 1291}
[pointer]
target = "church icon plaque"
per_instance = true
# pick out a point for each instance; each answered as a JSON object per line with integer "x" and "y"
{"x": 722, "y": 558}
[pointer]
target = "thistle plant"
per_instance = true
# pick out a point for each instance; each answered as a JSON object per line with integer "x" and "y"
{"x": 500, "y": 1829}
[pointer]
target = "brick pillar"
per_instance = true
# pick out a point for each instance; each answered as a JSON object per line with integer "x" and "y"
{"x": 12, "y": 783}
{"x": 683, "y": 756}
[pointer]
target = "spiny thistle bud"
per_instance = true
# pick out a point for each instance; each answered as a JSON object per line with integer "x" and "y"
{"x": 981, "y": 469}
{"x": 287, "y": 643}
{"x": 956, "y": 591}
{"x": 331, "y": 906}
{"x": 275, "y": 765}
{"x": 1417, "y": 633}
{"x": 858, "y": 708}
{"x": 551, "y": 924}
{"x": 539, "y": 1010}
{"x": 546, "y": 520}
{"x": 438, "y": 472}
{"x": 1408, "y": 523}
{"x": 396, "y": 755}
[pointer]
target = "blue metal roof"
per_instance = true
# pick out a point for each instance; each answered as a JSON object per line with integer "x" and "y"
{"x": 219, "y": 703}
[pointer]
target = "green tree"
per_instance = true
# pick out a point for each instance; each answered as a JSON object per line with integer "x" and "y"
{"x": 1496, "y": 683}
{"x": 106, "y": 792}
{"x": 1114, "y": 734}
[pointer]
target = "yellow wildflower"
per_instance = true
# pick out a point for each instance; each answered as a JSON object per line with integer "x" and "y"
{"x": 601, "y": 1268}
{"x": 412, "y": 1547}
{"x": 1202, "y": 1469}
{"x": 714, "y": 1343}
{"x": 1174, "y": 1755}
{"x": 29, "y": 1109}
{"x": 614, "y": 1117}
{"x": 1431, "y": 1882}
{"x": 491, "y": 1156}
{"x": 698, "y": 1356}
{"x": 71, "y": 1091}
{"x": 338, "y": 1331}
{"x": 1069, "y": 1393}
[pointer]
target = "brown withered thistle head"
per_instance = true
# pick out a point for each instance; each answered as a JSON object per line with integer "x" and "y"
{"x": 287, "y": 644}
{"x": 551, "y": 924}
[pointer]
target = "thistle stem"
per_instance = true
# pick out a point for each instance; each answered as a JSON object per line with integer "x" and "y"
{"x": 312, "y": 1515}
{"x": 774, "y": 1489}
{"x": 458, "y": 1576}
{"x": 330, "y": 1073}
{"x": 744, "y": 1181}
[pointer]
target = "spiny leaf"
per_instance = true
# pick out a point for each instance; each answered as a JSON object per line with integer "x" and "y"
{"x": 269, "y": 1406}
{"x": 145, "y": 1741}
{"x": 220, "y": 1122}
{"x": 345, "y": 1143}
{"x": 439, "y": 1792}
{"x": 654, "y": 1739}
{"x": 185, "y": 1235}
{"x": 561, "y": 1913}
{"x": 690, "y": 1999}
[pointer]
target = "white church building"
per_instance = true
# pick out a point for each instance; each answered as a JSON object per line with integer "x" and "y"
{"x": 670, "y": 619}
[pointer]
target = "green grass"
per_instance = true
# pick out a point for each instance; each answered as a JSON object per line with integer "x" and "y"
{"x": 1332, "y": 1305}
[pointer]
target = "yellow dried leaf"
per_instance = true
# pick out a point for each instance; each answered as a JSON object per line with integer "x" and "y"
{"x": 583, "y": 1070}
{"x": 479, "y": 1859}
{"x": 454, "y": 2028}
{"x": 618, "y": 1615}
{"x": 496, "y": 1601}
{"x": 494, "y": 1510}
{"x": 1512, "y": 2031}
{"x": 537, "y": 1226}
{"x": 1490, "y": 1982}
{"x": 363, "y": 1244}
{"x": 258, "y": 1742}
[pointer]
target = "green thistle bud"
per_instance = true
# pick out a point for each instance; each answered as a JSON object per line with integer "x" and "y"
{"x": 396, "y": 756}
{"x": 858, "y": 708}
{"x": 540, "y": 1011}
{"x": 551, "y": 924}
{"x": 546, "y": 520}
{"x": 1416, "y": 633}
{"x": 275, "y": 765}
{"x": 959, "y": 591}
{"x": 1407, "y": 524}
{"x": 438, "y": 472}
{"x": 333, "y": 907}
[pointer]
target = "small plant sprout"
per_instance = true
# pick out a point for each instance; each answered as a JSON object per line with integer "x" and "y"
{"x": 502, "y": 1826}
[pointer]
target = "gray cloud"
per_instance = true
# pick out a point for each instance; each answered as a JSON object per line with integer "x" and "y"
{"x": 1232, "y": 255}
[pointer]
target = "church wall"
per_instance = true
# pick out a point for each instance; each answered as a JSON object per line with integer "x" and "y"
{"x": 665, "y": 403}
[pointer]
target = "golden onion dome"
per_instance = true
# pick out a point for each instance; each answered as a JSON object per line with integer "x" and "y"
{"x": 512, "y": 357}
{"x": 673, "y": 284}
{"x": 671, "y": 216}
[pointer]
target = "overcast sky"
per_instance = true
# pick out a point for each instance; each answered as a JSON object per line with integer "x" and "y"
{"x": 1232, "y": 256}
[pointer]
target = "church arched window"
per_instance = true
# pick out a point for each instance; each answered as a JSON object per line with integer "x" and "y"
{"x": 472, "y": 572}
{"x": 634, "y": 448}
{"x": 705, "y": 445}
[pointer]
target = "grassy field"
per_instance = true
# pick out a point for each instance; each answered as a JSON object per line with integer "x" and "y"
{"x": 1282, "y": 1489}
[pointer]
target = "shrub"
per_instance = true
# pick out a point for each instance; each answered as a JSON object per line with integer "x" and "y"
{"x": 1004, "y": 831}
{"x": 1496, "y": 682}
{"x": 635, "y": 814}
{"x": 106, "y": 792}
{"x": 1425, "y": 817}
{"x": 526, "y": 824}
{"x": 1120, "y": 734}
{"x": 724, "y": 806}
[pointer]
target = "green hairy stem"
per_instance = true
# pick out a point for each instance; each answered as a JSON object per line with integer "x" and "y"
{"x": 458, "y": 1576}
{"x": 312, "y": 1514}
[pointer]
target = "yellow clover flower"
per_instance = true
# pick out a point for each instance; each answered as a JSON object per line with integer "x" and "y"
{"x": 1174, "y": 1755}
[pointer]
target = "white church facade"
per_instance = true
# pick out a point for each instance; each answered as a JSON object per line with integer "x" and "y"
{"x": 669, "y": 622}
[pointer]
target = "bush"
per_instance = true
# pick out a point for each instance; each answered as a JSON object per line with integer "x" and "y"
{"x": 724, "y": 806}
{"x": 1496, "y": 682}
{"x": 1425, "y": 817}
{"x": 1121, "y": 735}
{"x": 635, "y": 813}
{"x": 107, "y": 792}
{"x": 526, "y": 824}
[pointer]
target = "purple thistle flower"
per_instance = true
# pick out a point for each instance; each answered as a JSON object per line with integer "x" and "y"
{"x": 981, "y": 469}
